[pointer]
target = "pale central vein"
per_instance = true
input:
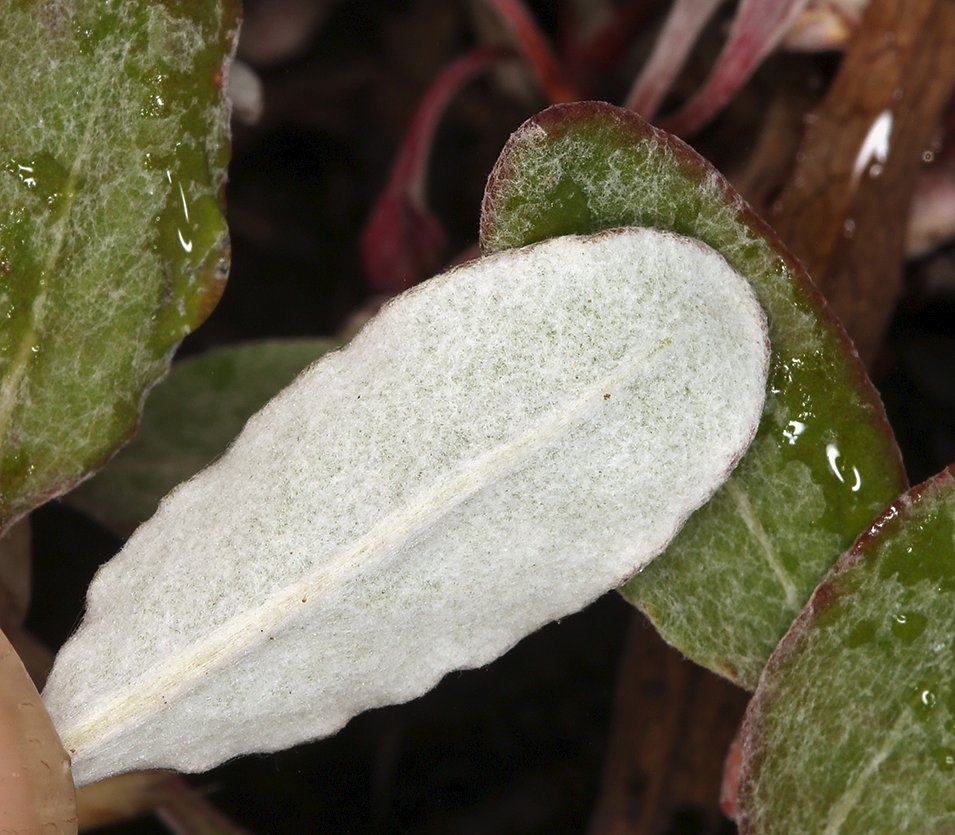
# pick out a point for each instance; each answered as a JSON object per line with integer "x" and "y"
{"x": 758, "y": 532}
{"x": 847, "y": 801}
{"x": 17, "y": 370}
{"x": 400, "y": 526}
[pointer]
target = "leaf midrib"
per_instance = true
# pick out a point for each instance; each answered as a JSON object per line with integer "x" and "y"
{"x": 839, "y": 811}
{"x": 762, "y": 539}
{"x": 162, "y": 683}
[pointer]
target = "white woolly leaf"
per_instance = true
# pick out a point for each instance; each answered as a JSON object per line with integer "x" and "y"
{"x": 497, "y": 448}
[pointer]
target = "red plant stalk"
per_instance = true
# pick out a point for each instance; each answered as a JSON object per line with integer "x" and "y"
{"x": 536, "y": 50}
{"x": 402, "y": 241}
{"x": 757, "y": 29}
{"x": 682, "y": 29}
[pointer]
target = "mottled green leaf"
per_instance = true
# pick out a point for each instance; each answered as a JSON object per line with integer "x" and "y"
{"x": 852, "y": 728}
{"x": 113, "y": 143}
{"x": 824, "y": 461}
{"x": 190, "y": 419}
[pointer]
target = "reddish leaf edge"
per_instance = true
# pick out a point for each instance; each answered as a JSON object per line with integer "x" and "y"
{"x": 213, "y": 292}
{"x": 559, "y": 119}
{"x": 742, "y": 759}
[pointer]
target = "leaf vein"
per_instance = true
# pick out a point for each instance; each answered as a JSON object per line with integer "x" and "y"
{"x": 840, "y": 810}
{"x": 762, "y": 538}
{"x": 147, "y": 694}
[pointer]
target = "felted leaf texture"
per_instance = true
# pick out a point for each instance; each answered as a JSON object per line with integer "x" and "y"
{"x": 113, "y": 247}
{"x": 190, "y": 419}
{"x": 824, "y": 461}
{"x": 498, "y": 447}
{"x": 852, "y": 728}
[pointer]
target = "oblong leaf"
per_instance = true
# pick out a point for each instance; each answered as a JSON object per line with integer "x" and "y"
{"x": 112, "y": 241}
{"x": 824, "y": 462}
{"x": 852, "y": 728}
{"x": 494, "y": 450}
{"x": 190, "y": 419}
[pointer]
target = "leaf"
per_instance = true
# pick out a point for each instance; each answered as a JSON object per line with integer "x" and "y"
{"x": 823, "y": 463}
{"x": 36, "y": 792}
{"x": 112, "y": 242}
{"x": 493, "y": 451}
{"x": 852, "y": 729}
{"x": 189, "y": 421}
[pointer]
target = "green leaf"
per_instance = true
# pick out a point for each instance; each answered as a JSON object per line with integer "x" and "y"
{"x": 824, "y": 461}
{"x": 852, "y": 728}
{"x": 112, "y": 241}
{"x": 495, "y": 449}
{"x": 190, "y": 419}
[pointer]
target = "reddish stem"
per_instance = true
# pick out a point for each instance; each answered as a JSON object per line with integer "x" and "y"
{"x": 535, "y": 49}
{"x": 757, "y": 29}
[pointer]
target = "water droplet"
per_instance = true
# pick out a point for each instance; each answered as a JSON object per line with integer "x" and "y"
{"x": 852, "y": 480}
{"x": 944, "y": 758}
{"x": 793, "y": 430}
{"x": 923, "y": 700}
{"x": 157, "y": 99}
{"x": 908, "y": 625}
{"x": 41, "y": 174}
{"x": 922, "y": 553}
{"x": 191, "y": 240}
{"x": 876, "y": 145}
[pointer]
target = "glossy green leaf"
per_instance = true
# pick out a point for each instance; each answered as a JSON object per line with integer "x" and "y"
{"x": 190, "y": 419}
{"x": 824, "y": 461}
{"x": 112, "y": 241}
{"x": 852, "y": 728}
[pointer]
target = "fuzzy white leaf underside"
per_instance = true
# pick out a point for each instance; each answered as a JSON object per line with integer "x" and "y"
{"x": 497, "y": 448}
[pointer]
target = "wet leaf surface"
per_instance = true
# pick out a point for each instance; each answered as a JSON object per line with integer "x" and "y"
{"x": 823, "y": 463}
{"x": 112, "y": 241}
{"x": 852, "y": 729}
{"x": 191, "y": 418}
